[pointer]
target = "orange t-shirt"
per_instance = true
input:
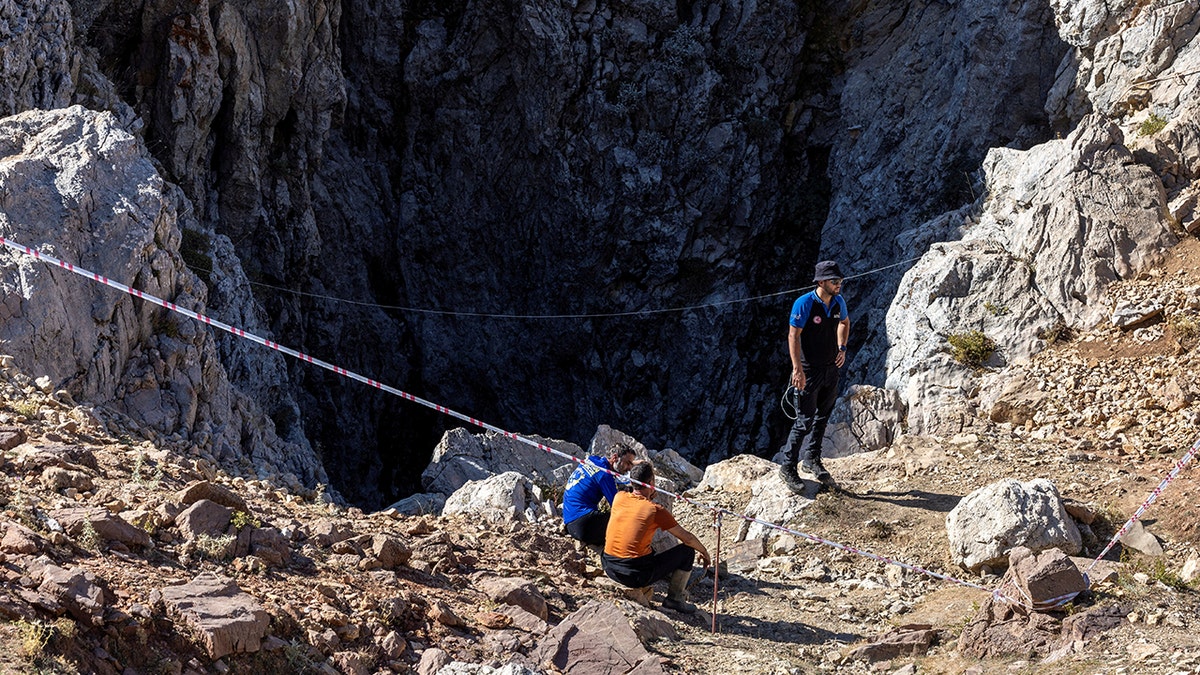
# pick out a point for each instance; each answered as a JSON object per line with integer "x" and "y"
{"x": 632, "y": 525}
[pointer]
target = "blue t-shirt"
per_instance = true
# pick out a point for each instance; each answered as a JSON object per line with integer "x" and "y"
{"x": 818, "y": 325}
{"x": 586, "y": 486}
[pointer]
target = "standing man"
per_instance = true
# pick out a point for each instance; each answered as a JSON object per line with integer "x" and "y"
{"x": 628, "y": 558}
{"x": 588, "y": 484}
{"x": 819, "y": 330}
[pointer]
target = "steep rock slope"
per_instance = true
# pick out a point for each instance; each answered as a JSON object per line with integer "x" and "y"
{"x": 530, "y": 157}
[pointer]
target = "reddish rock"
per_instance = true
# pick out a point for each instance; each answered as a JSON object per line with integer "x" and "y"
{"x": 204, "y": 517}
{"x": 108, "y": 526}
{"x": 1045, "y": 578}
{"x": 224, "y": 618}
{"x": 519, "y": 592}
{"x": 911, "y": 640}
{"x": 213, "y": 492}
{"x": 11, "y": 437}
{"x": 389, "y": 551}
{"x": 598, "y": 639}
{"x": 76, "y": 590}
{"x": 21, "y": 539}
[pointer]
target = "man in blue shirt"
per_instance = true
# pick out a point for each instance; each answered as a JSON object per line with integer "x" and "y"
{"x": 819, "y": 330}
{"x": 586, "y": 486}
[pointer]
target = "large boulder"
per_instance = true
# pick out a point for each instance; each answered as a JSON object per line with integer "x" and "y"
{"x": 507, "y": 497}
{"x": 461, "y": 457}
{"x": 736, "y": 474}
{"x": 866, "y": 418}
{"x": 224, "y": 619}
{"x": 992, "y": 521}
{"x": 596, "y": 638}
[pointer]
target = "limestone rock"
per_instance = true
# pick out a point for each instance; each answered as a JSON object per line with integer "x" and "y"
{"x": 738, "y": 474}
{"x": 461, "y": 457}
{"x": 505, "y": 497}
{"x": 772, "y": 501}
{"x": 225, "y": 619}
{"x": 421, "y": 504}
{"x": 38, "y": 36}
{"x": 1191, "y": 570}
{"x": 92, "y": 195}
{"x": 988, "y": 523}
{"x": 982, "y": 282}
{"x": 1141, "y": 540}
{"x": 1131, "y": 315}
{"x": 865, "y": 418}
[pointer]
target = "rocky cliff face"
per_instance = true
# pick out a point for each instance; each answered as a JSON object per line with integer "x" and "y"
{"x": 388, "y": 175}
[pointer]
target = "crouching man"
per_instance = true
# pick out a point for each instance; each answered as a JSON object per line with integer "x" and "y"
{"x": 628, "y": 558}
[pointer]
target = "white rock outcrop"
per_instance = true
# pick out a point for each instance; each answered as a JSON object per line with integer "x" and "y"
{"x": 991, "y": 521}
{"x": 90, "y": 195}
{"x": 506, "y": 497}
{"x": 1061, "y": 222}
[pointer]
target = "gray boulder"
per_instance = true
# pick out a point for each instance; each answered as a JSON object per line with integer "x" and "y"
{"x": 866, "y": 418}
{"x": 992, "y": 521}
{"x": 43, "y": 62}
{"x": 461, "y": 457}
{"x": 504, "y": 498}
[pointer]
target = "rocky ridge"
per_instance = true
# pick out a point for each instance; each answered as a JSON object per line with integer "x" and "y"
{"x": 122, "y": 554}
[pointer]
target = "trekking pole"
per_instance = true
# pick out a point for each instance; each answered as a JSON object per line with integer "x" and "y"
{"x": 716, "y": 573}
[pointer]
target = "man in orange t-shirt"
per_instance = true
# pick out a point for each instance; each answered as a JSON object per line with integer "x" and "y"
{"x": 628, "y": 558}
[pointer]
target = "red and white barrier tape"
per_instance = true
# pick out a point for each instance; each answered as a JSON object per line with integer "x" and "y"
{"x": 1183, "y": 461}
{"x": 471, "y": 420}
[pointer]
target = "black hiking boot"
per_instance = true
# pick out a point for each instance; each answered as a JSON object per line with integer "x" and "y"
{"x": 791, "y": 479}
{"x": 816, "y": 469}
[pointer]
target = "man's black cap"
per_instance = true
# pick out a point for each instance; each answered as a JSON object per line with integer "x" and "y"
{"x": 827, "y": 269}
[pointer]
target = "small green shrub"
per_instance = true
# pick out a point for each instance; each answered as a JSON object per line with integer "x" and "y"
{"x": 1059, "y": 332}
{"x": 89, "y": 539}
{"x": 1186, "y": 329}
{"x": 241, "y": 520}
{"x": 972, "y": 348}
{"x": 1152, "y": 125}
{"x": 216, "y": 549}
{"x": 27, "y": 409}
{"x": 996, "y": 310}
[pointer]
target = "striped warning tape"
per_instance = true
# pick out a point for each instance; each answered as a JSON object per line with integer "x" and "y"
{"x": 1154, "y": 495}
{"x": 87, "y": 274}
